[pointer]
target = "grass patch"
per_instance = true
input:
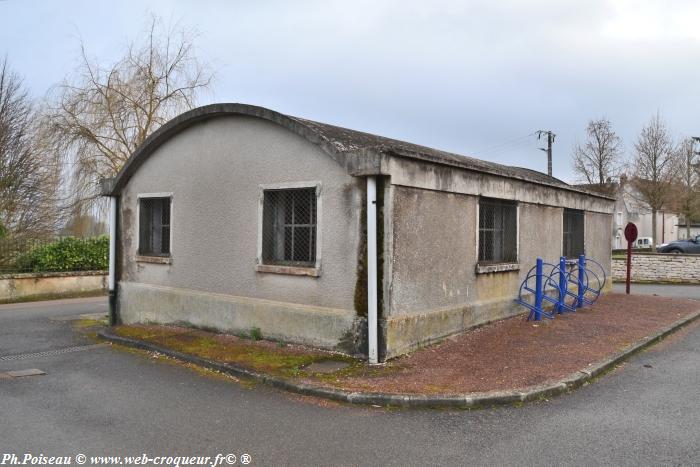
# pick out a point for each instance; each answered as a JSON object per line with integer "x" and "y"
{"x": 87, "y": 323}
{"x": 257, "y": 355}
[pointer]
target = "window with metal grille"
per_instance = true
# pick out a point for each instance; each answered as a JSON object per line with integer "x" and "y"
{"x": 498, "y": 231}
{"x": 289, "y": 227}
{"x": 573, "y": 233}
{"x": 154, "y": 226}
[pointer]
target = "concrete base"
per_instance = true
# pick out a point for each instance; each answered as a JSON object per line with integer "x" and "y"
{"x": 38, "y": 286}
{"x": 407, "y": 333}
{"x": 328, "y": 328}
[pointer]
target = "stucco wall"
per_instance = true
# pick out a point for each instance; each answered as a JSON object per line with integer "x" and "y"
{"x": 434, "y": 250}
{"x": 214, "y": 170}
{"x": 597, "y": 242}
{"x": 435, "y": 289}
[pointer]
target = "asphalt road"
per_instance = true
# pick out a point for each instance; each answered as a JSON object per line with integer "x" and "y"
{"x": 669, "y": 290}
{"x": 107, "y": 401}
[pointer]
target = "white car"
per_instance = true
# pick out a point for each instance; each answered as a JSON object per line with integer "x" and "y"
{"x": 643, "y": 242}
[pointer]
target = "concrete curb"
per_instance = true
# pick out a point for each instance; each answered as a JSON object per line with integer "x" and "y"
{"x": 462, "y": 401}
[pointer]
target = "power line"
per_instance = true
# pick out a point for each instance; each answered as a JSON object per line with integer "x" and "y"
{"x": 491, "y": 148}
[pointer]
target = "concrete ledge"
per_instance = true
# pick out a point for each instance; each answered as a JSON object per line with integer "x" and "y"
{"x": 328, "y": 328}
{"x": 36, "y": 275}
{"x": 406, "y": 333}
{"x": 499, "y": 267}
{"x": 291, "y": 270}
{"x": 469, "y": 400}
{"x": 42, "y": 286}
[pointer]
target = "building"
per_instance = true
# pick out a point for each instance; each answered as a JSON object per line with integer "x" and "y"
{"x": 233, "y": 217}
{"x": 630, "y": 207}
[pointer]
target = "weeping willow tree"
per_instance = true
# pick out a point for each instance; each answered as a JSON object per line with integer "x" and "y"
{"x": 97, "y": 118}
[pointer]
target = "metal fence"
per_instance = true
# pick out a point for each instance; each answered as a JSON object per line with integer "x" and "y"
{"x": 16, "y": 257}
{"x": 12, "y": 251}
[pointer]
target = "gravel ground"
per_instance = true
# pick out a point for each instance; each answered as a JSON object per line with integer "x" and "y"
{"x": 515, "y": 353}
{"x": 508, "y": 354}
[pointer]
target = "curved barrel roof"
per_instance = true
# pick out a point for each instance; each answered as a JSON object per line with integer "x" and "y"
{"x": 334, "y": 140}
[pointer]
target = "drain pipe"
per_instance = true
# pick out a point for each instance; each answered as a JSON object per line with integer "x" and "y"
{"x": 372, "y": 270}
{"x": 112, "y": 260}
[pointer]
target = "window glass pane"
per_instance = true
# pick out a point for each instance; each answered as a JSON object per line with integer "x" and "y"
{"x": 573, "y": 235}
{"x": 497, "y": 231}
{"x": 289, "y": 226}
{"x": 154, "y": 226}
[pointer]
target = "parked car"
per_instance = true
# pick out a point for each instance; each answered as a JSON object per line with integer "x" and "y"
{"x": 691, "y": 245}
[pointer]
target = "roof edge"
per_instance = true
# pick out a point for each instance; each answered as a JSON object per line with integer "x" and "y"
{"x": 203, "y": 113}
{"x": 206, "y": 112}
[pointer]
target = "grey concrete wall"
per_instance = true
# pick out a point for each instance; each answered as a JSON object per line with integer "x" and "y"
{"x": 435, "y": 289}
{"x": 418, "y": 174}
{"x": 541, "y": 235}
{"x": 681, "y": 269}
{"x": 597, "y": 242}
{"x": 25, "y": 286}
{"x": 434, "y": 250}
{"x": 214, "y": 170}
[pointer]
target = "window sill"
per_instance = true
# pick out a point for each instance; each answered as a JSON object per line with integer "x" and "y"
{"x": 289, "y": 270}
{"x": 499, "y": 267}
{"x": 154, "y": 259}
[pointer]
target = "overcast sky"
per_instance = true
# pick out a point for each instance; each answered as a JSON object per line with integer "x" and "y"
{"x": 473, "y": 77}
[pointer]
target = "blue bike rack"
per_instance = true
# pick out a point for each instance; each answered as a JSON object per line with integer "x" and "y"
{"x": 545, "y": 289}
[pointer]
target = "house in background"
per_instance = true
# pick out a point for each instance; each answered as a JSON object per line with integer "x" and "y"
{"x": 630, "y": 207}
{"x": 683, "y": 229}
{"x": 232, "y": 217}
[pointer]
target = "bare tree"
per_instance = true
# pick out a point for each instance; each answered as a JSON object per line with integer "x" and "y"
{"x": 98, "y": 118}
{"x": 600, "y": 158}
{"x": 653, "y": 166}
{"x": 28, "y": 178}
{"x": 686, "y": 182}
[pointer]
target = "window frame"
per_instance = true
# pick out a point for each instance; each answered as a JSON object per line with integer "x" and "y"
{"x": 500, "y": 266}
{"x": 156, "y": 259}
{"x": 583, "y": 232}
{"x": 296, "y": 270}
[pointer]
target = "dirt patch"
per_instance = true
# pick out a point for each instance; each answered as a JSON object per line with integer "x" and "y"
{"x": 509, "y": 354}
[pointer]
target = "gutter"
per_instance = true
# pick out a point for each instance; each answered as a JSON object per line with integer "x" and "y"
{"x": 372, "y": 270}
{"x": 112, "y": 260}
{"x": 107, "y": 186}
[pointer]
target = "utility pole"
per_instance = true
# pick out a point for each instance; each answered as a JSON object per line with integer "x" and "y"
{"x": 696, "y": 166}
{"x": 550, "y": 141}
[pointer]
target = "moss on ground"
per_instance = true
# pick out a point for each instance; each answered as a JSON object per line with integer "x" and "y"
{"x": 87, "y": 323}
{"x": 260, "y": 356}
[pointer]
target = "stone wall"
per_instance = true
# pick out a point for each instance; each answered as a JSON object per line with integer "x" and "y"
{"x": 660, "y": 268}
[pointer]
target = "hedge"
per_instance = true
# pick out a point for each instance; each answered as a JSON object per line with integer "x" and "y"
{"x": 68, "y": 254}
